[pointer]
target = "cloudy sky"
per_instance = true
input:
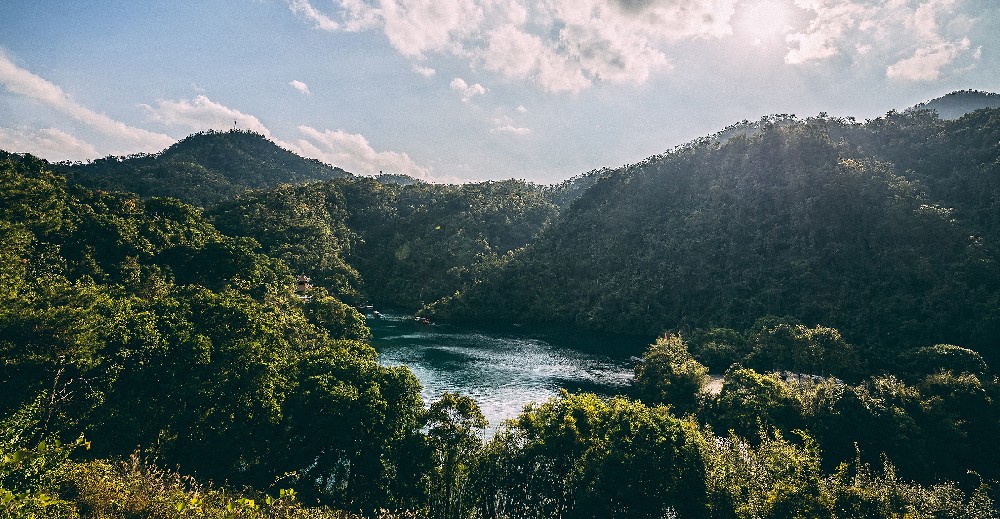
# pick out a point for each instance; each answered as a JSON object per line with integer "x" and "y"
{"x": 469, "y": 89}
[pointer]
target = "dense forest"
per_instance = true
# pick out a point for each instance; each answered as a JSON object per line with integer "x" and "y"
{"x": 957, "y": 104}
{"x": 203, "y": 169}
{"x": 839, "y": 277}
{"x": 885, "y": 230}
{"x": 402, "y": 245}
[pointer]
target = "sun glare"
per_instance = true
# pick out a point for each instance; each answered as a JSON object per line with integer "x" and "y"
{"x": 764, "y": 19}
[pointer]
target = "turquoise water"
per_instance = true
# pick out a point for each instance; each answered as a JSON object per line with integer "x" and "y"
{"x": 503, "y": 369}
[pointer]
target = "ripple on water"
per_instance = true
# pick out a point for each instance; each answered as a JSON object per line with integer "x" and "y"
{"x": 502, "y": 372}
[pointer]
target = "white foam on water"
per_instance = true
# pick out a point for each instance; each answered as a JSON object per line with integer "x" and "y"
{"x": 502, "y": 372}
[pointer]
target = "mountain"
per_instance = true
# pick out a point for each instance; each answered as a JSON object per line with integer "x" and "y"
{"x": 387, "y": 242}
{"x": 148, "y": 325}
{"x": 957, "y": 104}
{"x": 886, "y": 230}
{"x": 165, "y": 324}
{"x": 204, "y": 168}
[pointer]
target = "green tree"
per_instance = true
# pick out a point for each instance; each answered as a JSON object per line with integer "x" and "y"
{"x": 347, "y": 424}
{"x": 668, "y": 374}
{"x": 718, "y": 348}
{"x": 880, "y": 416}
{"x": 581, "y": 456}
{"x": 942, "y": 357}
{"x": 774, "y": 479}
{"x": 30, "y": 462}
{"x": 785, "y": 344}
{"x": 455, "y": 426}
{"x": 751, "y": 403}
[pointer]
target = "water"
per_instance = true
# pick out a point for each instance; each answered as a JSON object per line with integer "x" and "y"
{"x": 503, "y": 369}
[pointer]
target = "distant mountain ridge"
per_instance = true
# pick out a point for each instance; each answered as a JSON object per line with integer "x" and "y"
{"x": 956, "y": 104}
{"x": 204, "y": 168}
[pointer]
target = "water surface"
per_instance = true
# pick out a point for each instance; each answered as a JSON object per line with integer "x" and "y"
{"x": 504, "y": 368}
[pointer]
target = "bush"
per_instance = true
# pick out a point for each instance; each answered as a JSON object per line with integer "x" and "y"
{"x": 669, "y": 375}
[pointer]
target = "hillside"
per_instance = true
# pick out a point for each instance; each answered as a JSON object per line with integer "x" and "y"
{"x": 204, "y": 168}
{"x": 886, "y": 230}
{"x": 386, "y": 242}
{"x": 149, "y": 326}
{"x": 956, "y": 104}
{"x": 143, "y": 326}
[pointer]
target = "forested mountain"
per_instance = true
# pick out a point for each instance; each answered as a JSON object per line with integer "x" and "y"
{"x": 957, "y": 104}
{"x": 876, "y": 228}
{"x": 138, "y": 324}
{"x": 140, "y": 332}
{"x": 403, "y": 245}
{"x": 204, "y": 168}
{"x": 886, "y": 230}
{"x": 566, "y": 192}
{"x": 411, "y": 241}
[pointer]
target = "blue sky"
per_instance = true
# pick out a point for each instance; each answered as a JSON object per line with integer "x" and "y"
{"x": 469, "y": 89}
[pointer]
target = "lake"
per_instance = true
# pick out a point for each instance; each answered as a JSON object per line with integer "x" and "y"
{"x": 504, "y": 368}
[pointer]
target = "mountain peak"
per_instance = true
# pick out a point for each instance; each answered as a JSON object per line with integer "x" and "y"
{"x": 956, "y": 104}
{"x": 227, "y": 152}
{"x": 205, "y": 168}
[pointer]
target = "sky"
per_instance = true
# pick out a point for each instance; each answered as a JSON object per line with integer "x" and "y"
{"x": 467, "y": 90}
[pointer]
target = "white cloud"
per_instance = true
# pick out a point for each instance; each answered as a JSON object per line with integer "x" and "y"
{"x": 49, "y": 143}
{"x": 353, "y": 152}
{"x": 424, "y": 71}
{"x": 201, "y": 113}
{"x": 927, "y": 62}
{"x": 22, "y": 82}
{"x": 415, "y": 27}
{"x": 466, "y": 90}
{"x": 300, "y": 86}
{"x": 909, "y": 32}
{"x": 511, "y": 129}
{"x": 562, "y": 45}
{"x": 307, "y": 11}
{"x": 821, "y": 40}
{"x": 349, "y": 151}
{"x": 522, "y": 109}
{"x": 505, "y": 125}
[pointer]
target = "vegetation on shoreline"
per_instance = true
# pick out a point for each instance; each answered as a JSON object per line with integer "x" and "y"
{"x": 158, "y": 361}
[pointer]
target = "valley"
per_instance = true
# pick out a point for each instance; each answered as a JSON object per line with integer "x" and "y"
{"x": 788, "y": 318}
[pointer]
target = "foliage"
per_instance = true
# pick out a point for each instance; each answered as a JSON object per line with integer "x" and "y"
{"x": 137, "y": 488}
{"x": 303, "y": 225}
{"x": 348, "y": 426}
{"x": 772, "y": 479}
{"x": 399, "y": 244}
{"x": 668, "y": 374}
{"x": 751, "y": 404}
{"x": 149, "y": 328}
{"x": 580, "y": 456}
{"x": 782, "y": 344}
{"x": 943, "y": 357}
{"x": 30, "y": 458}
{"x": 203, "y": 169}
{"x": 455, "y": 426}
{"x": 423, "y": 242}
{"x": 718, "y": 348}
{"x": 146, "y": 323}
{"x": 883, "y": 230}
{"x": 856, "y": 490}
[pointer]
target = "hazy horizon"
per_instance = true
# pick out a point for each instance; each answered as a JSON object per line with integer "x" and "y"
{"x": 470, "y": 89}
